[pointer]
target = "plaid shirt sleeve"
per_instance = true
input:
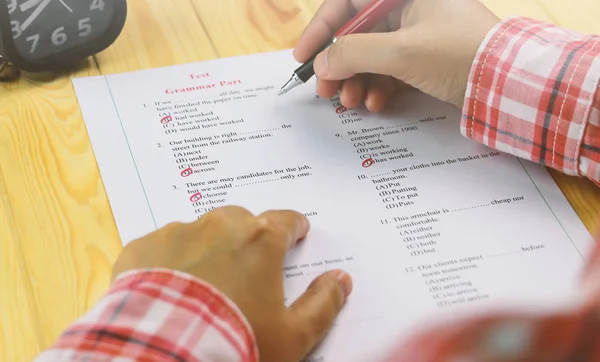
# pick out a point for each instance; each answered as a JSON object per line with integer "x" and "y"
{"x": 533, "y": 92}
{"x": 157, "y": 315}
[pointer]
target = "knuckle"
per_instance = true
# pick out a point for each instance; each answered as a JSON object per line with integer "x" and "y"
{"x": 172, "y": 226}
{"x": 230, "y": 211}
{"x": 266, "y": 231}
{"x": 214, "y": 217}
{"x": 165, "y": 233}
{"x": 233, "y": 209}
{"x": 225, "y": 215}
{"x": 172, "y": 232}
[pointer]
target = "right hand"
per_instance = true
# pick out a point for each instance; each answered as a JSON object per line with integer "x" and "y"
{"x": 427, "y": 44}
{"x": 243, "y": 255}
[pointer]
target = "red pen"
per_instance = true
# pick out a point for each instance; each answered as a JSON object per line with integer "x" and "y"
{"x": 362, "y": 22}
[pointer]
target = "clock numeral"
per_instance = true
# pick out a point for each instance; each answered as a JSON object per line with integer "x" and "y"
{"x": 97, "y": 4}
{"x": 84, "y": 27}
{"x": 16, "y": 29}
{"x": 12, "y": 6}
{"x": 58, "y": 36}
{"x": 35, "y": 39}
{"x": 26, "y": 5}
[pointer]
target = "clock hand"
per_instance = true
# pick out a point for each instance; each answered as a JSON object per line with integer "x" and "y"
{"x": 29, "y": 4}
{"x": 66, "y": 6}
{"x": 35, "y": 14}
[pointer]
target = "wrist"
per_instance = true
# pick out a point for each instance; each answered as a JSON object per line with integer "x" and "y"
{"x": 474, "y": 54}
{"x": 184, "y": 285}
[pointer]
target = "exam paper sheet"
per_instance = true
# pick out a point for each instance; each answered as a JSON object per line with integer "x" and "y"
{"x": 428, "y": 223}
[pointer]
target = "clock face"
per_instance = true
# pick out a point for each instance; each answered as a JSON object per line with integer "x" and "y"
{"x": 42, "y": 28}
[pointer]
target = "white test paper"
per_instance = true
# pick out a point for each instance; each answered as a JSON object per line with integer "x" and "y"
{"x": 435, "y": 225}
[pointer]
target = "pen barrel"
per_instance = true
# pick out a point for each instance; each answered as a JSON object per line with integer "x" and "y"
{"x": 306, "y": 70}
{"x": 368, "y": 17}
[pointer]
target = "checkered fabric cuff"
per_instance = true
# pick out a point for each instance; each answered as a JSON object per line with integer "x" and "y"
{"x": 161, "y": 315}
{"x": 533, "y": 92}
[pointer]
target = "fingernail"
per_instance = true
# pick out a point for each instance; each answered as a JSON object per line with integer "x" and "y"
{"x": 345, "y": 282}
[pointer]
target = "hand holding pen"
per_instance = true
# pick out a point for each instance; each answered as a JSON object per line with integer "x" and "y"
{"x": 366, "y": 19}
{"x": 426, "y": 44}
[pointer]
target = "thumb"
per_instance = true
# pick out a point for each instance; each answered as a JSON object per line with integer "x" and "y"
{"x": 358, "y": 53}
{"x": 313, "y": 314}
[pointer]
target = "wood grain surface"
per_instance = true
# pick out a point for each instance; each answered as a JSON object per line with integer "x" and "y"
{"x": 58, "y": 239}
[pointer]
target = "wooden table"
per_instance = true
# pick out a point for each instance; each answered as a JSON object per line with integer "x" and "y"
{"x": 58, "y": 239}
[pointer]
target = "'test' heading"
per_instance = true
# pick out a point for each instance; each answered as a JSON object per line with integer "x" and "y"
{"x": 196, "y": 76}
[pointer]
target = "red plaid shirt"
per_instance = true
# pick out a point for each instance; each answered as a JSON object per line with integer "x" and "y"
{"x": 532, "y": 92}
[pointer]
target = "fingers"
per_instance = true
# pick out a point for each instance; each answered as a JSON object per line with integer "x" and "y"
{"x": 374, "y": 89}
{"x": 230, "y": 212}
{"x": 379, "y": 89}
{"x": 353, "y": 91}
{"x": 358, "y": 53}
{"x": 233, "y": 218}
{"x": 330, "y": 16}
{"x": 313, "y": 314}
{"x": 284, "y": 227}
{"x": 328, "y": 88}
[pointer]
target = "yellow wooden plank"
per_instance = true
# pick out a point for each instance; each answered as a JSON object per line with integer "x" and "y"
{"x": 239, "y": 27}
{"x": 157, "y": 34}
{"x": 57, "y": 238}
{"x": 585, "y": 19}
{"x": 578, "y": 15}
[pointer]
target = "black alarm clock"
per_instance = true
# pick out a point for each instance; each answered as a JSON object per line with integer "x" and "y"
{"x": 43, "y": 35}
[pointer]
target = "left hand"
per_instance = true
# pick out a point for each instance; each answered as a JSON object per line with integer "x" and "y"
{"x": 242, "y": 255}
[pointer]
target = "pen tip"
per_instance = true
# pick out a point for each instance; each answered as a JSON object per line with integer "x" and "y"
{"x": 292, "y": 83}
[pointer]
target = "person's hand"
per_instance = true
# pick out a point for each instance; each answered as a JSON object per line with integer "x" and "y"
{"x": 427, "y": 44}
{"x": 242, "y": 255}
